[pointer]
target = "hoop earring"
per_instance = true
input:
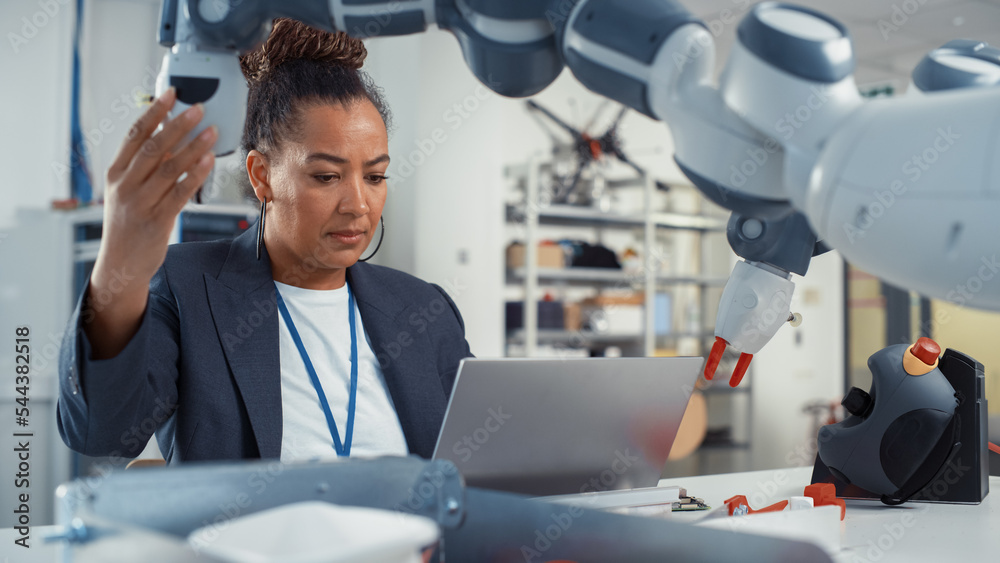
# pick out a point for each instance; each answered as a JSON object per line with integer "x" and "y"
{"x": 260, "y": 226}
{"x": 379, "y": 245}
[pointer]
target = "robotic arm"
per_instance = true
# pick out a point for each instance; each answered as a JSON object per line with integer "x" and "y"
{"x": 786, "y": 142}
{"x": 906, "y": 188}
{"x": 509, "y": 46}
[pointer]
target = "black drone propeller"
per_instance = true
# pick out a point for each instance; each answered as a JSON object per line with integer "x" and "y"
{"x": 590, "y": 149}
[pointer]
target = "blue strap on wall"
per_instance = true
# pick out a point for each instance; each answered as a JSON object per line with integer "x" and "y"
{"x": 80, "y": 184}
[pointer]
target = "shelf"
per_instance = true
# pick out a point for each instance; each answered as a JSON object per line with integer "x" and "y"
{"x": 86, "y": 251}
{"x": 625, "y": 183}
{"x": 686, "y": 334}
{"x": 613, "y": 276}
{"x": 689, "y": 222}
{"x": 575, "y": 215}
{"x": 556, "y": 336}
{"x": 583, "y": 275}
{"x": 522, "y": 170}
{"x": 692, "y": 280}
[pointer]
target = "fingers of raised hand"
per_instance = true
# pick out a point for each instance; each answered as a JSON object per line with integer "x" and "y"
{"x": 140, "y": 131}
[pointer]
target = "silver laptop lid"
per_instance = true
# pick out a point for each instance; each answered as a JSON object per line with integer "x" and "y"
{"x": 562, "y": 426}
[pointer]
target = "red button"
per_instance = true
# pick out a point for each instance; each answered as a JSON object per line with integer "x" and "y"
{"x": 926, "y": 350}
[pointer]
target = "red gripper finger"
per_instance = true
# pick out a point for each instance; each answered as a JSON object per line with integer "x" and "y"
{"x": 715, "y": 357}
{"x": 741, "y": 369}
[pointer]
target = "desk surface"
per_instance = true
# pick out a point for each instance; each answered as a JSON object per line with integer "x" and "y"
{"x": 871, "y": 531}
{"x": 37, "y": 551}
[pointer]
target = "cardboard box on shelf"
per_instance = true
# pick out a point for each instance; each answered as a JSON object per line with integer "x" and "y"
{"x": 573, "y": 316}
{"x": 549, "y": 256}
{"x": 604, "y": 300}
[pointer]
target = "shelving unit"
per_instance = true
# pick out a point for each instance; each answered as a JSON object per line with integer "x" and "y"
{"x": 608, "y": 276}
{"x": 533, "y": 213}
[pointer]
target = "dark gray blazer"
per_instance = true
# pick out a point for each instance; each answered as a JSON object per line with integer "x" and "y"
{"x": 203, "y": 369}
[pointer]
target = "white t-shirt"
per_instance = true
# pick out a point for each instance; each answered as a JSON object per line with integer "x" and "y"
{"x": 320, "y": 317}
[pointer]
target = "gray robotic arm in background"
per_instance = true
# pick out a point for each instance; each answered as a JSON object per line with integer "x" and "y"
{"x": 906, "y": 188}
{"x": 509, "y": 45}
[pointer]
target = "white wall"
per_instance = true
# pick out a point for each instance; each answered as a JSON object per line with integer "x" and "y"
{"x": 120, "y": 59}
{"x": 35, "y": 71}
{"x": 444, "y": 211}
{"x": 395, "y": 66}
{"x": 799, "y": 366}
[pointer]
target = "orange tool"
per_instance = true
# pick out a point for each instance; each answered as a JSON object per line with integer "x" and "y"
{"x": 826, "y": 494}
{"x": 739, "y": 505}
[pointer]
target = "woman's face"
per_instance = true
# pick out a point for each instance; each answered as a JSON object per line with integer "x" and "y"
{"x": 327, "y": 189}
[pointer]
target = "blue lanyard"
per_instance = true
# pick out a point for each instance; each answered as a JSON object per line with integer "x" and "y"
{"x": 345, "y": 449}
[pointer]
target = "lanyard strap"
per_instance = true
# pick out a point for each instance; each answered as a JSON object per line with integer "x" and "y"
{"x": 345, "y": 449}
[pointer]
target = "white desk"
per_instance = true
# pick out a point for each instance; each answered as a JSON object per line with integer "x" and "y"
{"x": 923, "y": 531}
{"x": 37, "y": 552}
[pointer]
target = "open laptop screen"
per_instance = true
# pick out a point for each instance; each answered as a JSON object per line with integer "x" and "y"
{"x": 563, "y": 426}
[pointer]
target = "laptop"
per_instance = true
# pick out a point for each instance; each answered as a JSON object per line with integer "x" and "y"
{"x": 558, "y": 426}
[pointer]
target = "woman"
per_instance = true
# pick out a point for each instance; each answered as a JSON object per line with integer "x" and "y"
{"x": 279, "y": 343}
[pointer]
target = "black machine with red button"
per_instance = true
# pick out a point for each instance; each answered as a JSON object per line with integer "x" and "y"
{"x": 919, "y": 433}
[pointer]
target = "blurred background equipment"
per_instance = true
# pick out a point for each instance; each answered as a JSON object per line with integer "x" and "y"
{"x": 588, "y": 151}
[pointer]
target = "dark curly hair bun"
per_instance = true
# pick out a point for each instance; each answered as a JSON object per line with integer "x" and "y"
{"x": 300, "y": 65}
{"x": 291, "y": 40}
